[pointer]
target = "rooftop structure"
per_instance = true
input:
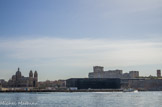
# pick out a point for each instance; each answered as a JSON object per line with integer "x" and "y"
{"x": 98, "y": 72}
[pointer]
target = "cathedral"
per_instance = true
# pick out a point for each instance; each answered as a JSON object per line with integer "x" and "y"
{"x": 18, "y": 80}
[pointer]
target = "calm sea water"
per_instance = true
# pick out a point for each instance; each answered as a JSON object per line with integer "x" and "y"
{"x": 82, "y": 99}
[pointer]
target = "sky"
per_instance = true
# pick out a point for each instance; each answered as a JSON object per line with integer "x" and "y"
{"x": 64, "y": 39}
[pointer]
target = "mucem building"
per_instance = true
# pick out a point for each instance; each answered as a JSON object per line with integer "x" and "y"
{"x": 94, "y": 83}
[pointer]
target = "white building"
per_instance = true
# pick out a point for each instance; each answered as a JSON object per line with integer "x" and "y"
{"x": 98, "y": 72}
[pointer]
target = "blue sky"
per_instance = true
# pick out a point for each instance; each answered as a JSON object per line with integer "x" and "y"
{"x": 66, "y": 38}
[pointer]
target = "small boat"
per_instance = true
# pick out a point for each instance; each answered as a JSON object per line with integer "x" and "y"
{"x": 130, "y": 90}
{"x": 135, "y": 91}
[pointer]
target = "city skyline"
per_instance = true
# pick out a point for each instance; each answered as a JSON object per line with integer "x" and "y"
{"x": 64, "y": 39}
{"x": 113, "y": 71}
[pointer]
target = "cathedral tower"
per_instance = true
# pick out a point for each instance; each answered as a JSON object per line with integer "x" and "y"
{"x": 31, "y": 74}
{"x": 35, "y": 82}
{"x": 30, "y": 84}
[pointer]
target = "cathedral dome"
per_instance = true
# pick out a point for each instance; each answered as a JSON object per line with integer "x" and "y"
{"x": 18, "y": 73}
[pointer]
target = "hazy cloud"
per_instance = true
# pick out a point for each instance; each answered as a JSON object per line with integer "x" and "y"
{"x": 94, "y": 51}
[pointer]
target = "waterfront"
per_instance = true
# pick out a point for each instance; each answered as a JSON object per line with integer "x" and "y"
{"x": 82, "y": 99}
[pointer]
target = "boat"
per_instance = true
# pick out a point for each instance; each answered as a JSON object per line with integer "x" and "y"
{"x": 130, "y": 90}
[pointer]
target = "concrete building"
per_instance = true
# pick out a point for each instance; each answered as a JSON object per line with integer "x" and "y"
{"x": 18, "y": 80}
{"x": 98, "y": 72}
{"x": 134, "y": 74}
{"x": 158, "y": 73}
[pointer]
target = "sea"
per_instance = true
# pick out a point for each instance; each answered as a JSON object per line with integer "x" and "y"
{"x": 82, "y": 99}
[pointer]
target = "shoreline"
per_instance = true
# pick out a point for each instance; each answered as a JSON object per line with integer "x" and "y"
{"x": 61, "y": 91}
{"x": 35, "y": 91}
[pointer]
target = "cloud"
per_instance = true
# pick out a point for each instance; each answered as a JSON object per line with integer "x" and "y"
{"x": 82, "y": 52}
{"x": 132, "y": 5}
